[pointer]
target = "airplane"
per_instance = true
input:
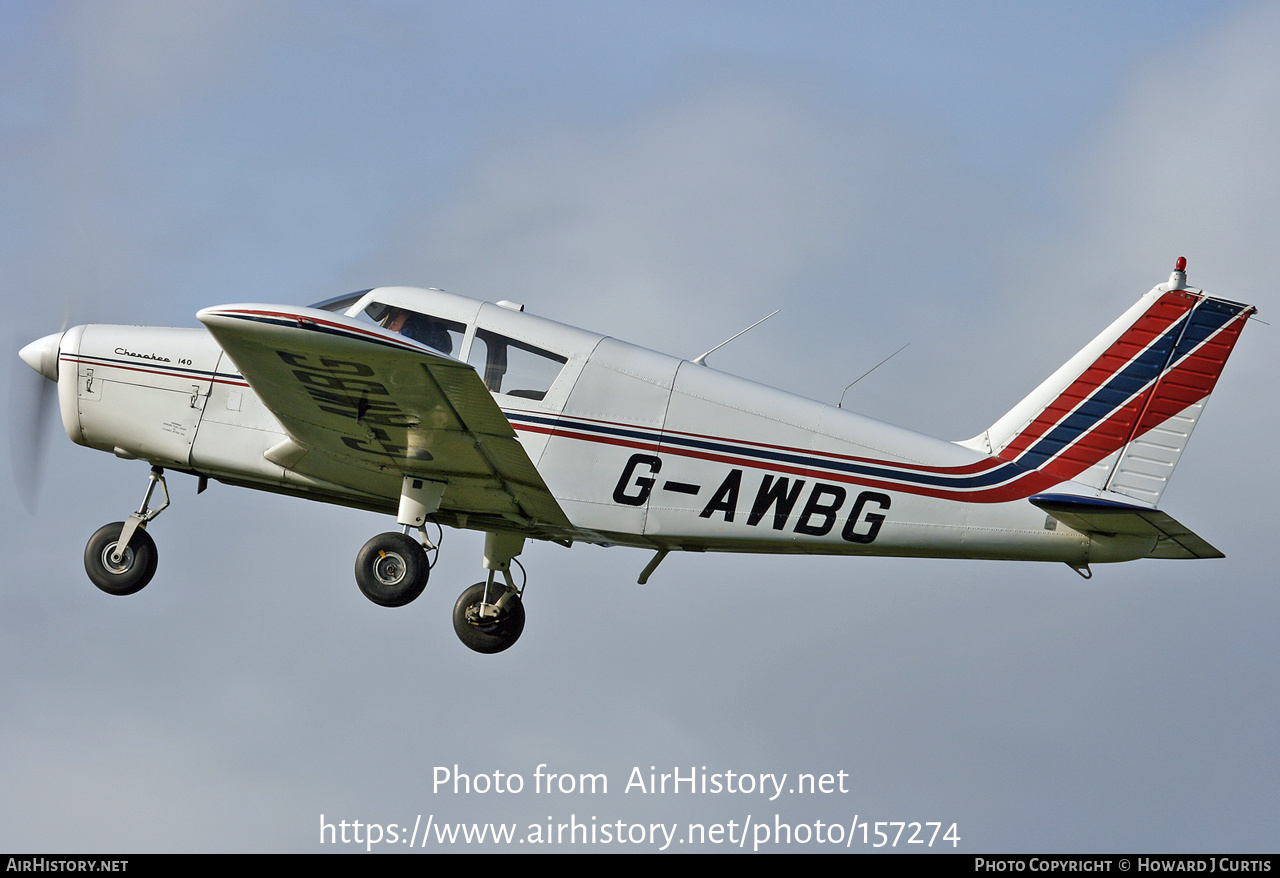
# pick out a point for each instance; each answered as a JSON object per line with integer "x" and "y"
{"x": 446, "y": 411}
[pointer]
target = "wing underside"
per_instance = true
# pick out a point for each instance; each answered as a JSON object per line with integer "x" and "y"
{"x": 371, "y": 401}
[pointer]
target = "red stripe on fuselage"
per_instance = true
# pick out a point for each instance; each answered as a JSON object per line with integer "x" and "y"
{"x": 1021, "y": 486}
{"x": 978, "y": 466}
{"x": 90, "y": 360}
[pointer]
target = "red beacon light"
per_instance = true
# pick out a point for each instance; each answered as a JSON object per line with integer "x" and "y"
{"x": 1181, "y": 264}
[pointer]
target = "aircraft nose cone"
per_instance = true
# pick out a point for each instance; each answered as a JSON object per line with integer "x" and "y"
{"x": 42, "y": 355}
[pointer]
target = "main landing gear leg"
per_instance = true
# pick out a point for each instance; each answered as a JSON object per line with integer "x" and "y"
{"x": 392, "y": 569}
{"x": 120, "y": 557}
{"x": 488, "y": 616}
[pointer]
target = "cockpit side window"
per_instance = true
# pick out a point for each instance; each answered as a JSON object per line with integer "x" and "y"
{"x": 513, "y": 367}
{"x": 434, "y": 332}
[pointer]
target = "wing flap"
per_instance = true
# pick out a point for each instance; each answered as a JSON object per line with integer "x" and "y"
{"x": 1108, "y": 517}
{"x": 368, "y": 397}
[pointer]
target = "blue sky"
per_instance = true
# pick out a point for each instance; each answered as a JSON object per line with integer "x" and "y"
{"x": 992, "y": 183}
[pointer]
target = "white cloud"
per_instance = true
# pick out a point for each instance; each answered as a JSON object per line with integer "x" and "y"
{"x": 1187, "y": 161}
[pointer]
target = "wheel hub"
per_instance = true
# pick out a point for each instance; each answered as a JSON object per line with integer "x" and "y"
{"x": 389, "y": 568}
{"x": 483, "y": 615}
{"x": 117, "y": 567}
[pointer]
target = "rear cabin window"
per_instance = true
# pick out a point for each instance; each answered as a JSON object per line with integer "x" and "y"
{"x": 513, "y": 367}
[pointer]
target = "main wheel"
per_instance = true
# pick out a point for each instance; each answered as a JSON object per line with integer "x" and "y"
{"x": 487, "y": 635}
{"x": 132, "y": 572}
{"x": 392, "y": 569}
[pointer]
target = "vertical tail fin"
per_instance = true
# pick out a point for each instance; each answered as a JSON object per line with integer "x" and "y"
{"x": 1118, "y": 415}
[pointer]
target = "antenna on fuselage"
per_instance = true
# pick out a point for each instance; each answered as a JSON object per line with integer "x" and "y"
{"x": 701, "y": 359}
{"x": 840, "y": 404}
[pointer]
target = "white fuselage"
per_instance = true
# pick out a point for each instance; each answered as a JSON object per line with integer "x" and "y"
{"x": 638, "y": 448}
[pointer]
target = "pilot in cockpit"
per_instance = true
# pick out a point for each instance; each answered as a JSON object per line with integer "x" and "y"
{"x": 421, "y": 328}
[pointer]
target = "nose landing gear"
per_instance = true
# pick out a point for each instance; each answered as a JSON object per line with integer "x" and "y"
{"x": 121, "y": 557}
{"x": 117, "y": 572}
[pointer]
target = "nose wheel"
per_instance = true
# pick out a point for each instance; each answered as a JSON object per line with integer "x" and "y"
{"x": 120, "y": 557}
{"x": 117, "y": 572}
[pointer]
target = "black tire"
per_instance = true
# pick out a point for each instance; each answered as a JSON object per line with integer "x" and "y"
{"x": 488, "y": 637}
{"x": 134, "y": 570}
{"x": 392, "y": 569}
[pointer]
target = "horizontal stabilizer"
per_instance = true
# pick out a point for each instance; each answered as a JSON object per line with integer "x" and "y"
{"x": 1094, "y": 515}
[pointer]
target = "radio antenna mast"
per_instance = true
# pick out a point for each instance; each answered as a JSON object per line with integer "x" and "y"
{"x": 840, "y": 404}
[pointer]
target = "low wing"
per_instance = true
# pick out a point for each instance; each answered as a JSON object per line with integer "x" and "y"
{"x": 378, "y": 401}
{"x": 1093, "y": 515}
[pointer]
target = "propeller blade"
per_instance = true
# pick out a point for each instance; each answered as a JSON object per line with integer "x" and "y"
{"x": 32, "y": 399}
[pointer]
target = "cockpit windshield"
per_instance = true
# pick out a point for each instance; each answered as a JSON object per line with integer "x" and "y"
{"x": 339, "y": 303}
